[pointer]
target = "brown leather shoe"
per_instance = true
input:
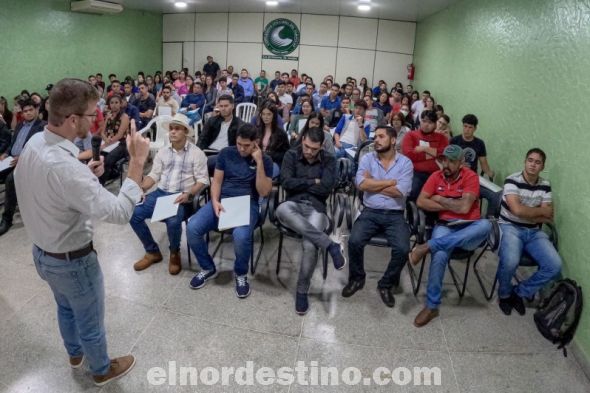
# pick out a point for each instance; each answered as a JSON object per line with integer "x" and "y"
{"x": 425, "y": 316}
{"x": 148, "y": 259}
{"x": 174, "y": 267}
{"x": 76, "y": 361}
{"x": 118, "y": 368}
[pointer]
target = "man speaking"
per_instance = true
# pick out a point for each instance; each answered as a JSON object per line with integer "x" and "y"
{"x": 58, "y": 197}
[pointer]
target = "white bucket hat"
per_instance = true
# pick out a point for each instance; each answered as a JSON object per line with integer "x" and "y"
{"x": 179, "y": 119}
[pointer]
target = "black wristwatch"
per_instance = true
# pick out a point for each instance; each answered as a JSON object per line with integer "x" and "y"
{"x": 191, "y": 196}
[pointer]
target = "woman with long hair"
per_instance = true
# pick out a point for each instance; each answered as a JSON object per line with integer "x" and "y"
{"x": 5, "y": 113}
{"x": 306, "y": 109}
{"x": 272, "y": 139}
{"x": 316, "y": 119}
{"x": 398, "y": 121}
{"x": 116, "y": 128}
{"x": 180, "y": 81}
{"x": 364, "y": 86}
{"x": 383, "y": 104}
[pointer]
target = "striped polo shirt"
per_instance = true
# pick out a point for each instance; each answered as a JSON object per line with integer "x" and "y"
{"x": 531, "y": 195}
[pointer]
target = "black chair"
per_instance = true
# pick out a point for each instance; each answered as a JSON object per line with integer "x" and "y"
{"x": 259, "y": 224}
{"x": 426, "y": 223}
{"x": 334, "y": 221}
{"x": 525, "y": 261}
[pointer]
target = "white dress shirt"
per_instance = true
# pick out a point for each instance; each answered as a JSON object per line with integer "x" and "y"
{"x": 58, "y": 195}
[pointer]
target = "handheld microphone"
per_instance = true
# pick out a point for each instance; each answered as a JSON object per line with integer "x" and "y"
{"x": 96, "y": 142}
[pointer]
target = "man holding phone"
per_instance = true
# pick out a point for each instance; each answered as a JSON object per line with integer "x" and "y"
{"x": 240, "y": 170}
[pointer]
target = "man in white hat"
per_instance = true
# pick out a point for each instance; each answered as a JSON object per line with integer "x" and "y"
{"x": 181, "y": 168}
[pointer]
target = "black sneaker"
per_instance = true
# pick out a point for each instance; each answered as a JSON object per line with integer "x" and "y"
{"x": 517, "y": 303}
{"x": 352, "y": 287}
{"x": 505, "y": 305}
{"x": 335, "y": 250}
{"x": 301, "y": 303}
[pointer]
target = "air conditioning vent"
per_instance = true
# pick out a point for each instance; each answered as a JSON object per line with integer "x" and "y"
{"x": 95, "y": 7}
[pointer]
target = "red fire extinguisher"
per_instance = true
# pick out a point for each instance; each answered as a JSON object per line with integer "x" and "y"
{"x": 411, "y": 70}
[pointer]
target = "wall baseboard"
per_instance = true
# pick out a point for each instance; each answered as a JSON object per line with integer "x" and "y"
{"x": 581, "y": 357}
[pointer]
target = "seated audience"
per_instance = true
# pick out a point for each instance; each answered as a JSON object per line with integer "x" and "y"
{"x": 383, "y": 104}
{"x": 330, "y": 102}
{"x": 146, "y": 103}
{"x": 271, "y": 139}
{"x": 397, "y": 122}
{"x": 210, "y": 92}
{"x": 247, "y": 85}
{"x": 117, "y": 126}
{"x": 351, "y": 130}
{"x": 373, "y": 116}
{"x": 285, "y": 99}
{"x": 527, "y": 203}
{"x": 220, "y": 130}
{"x": 308, "y": 176}
{"x": 422, "y": 146}
{"x": 192, "y": 104}
{"x": 166, "y": 100}
{"x": 297, "y": 121}
{"x": 30, "y": 125}
{"x": 317, "y": 120}
{"x": 180, "y": 167}
{"x": 338, "y": 113}
{"x": 237, "y": 89}
{"x": 240, "y": 170}
{"x": 443, "y": 127}
{"x": 453, "y": 193}
{"x": 385, "y": 178}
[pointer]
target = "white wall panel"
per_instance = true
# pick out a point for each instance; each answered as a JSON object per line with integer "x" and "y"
{"x": 178, "y": 27}
{"x": 319, "y": 30}
{"x": 391, "y": 67}
{"x": 396, "y": 36}
{"x": 317, "y": 62}
{"x": 188, "y": 56}
{"x": 358, "y": 33}
{"x": 216, "y": 49}
{"x": 211, "y": 27}
{"x": 356, "y": 63}
{"x": 244, "y": 55}
{"x": 244, "y": 27}
{"x": 172, "y": 56}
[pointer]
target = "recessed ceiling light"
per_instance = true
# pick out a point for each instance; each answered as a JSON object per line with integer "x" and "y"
{"x": 364, "y": 7}
{"x": 272, "y": 3}
{"x": 180, "y": 4}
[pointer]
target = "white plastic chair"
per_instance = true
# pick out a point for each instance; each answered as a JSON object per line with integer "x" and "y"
{"x": 161, "y": 134}
{"x": 245, "y": 111}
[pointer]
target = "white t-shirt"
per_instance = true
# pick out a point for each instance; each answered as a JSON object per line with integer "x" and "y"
{"x": 221, "y": 140}
{"x": 351, "y": 133}
{"x": 417, "y": 108}
{"x": 286, "y": 99}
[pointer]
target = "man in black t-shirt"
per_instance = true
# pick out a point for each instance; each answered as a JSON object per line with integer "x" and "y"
{"x": 469, "y": 140}
{"x": 211, "y": 67}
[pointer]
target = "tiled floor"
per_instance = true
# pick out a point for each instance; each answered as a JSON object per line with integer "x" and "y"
{"x": 159, "y": 319}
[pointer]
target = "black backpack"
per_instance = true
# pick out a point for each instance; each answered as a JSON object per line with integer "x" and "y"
{"x": 559, "y": 312}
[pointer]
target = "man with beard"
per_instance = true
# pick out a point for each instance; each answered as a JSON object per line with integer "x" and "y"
{"x": 452, "y": 192}
{"x": 385, "y": 178}
{"x": 59, "y": 198}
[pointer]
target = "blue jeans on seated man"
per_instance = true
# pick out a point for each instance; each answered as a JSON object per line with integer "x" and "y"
{"x": 444, "y": 240}
{"x": 516, "y": 239}
{"x": 204, "y": 221}
{"x": 78, "y": 289}
{"x": 341, "y": 152}
{"x": 145, "y": 211}
{"x": 194, "y": 115}
{"x": 377, "y": 223}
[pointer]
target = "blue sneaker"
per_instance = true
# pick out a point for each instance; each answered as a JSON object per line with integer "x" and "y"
{"x": 301, "y": 303}
{"x": 242, "y": 286}
{"x": 201, "y": 278}
{"x": 337, "y": 254}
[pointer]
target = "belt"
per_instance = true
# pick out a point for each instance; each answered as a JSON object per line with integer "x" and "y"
{"x": 72, "y": 254}
{"x": 385, "y": 211}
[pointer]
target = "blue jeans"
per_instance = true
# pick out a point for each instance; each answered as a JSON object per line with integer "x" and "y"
{"x": 536, "y": 243}
{"x": 342, "y": 151}
{"x": 204, "y": 221}
{"x": 78, "y": 289}
{"x": 145, "y": 211}
{"x": 444, "y": 240}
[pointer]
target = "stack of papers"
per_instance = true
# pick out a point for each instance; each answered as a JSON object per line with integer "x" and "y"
{"x": 5, "y": 163}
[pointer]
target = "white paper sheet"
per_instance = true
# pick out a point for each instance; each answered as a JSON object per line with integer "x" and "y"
{"x": 236, "y": 214}
{"x": 301, "y": 124}
{"x": 424, "y": 143}
{"x": 489, "y": 185}
{"x": 165, "y": 207}
{"x": 5, "y": 163}
{"x": 351, "y": 152}
{"x": 164, "y": 111}
{"x": 111, "y": 147}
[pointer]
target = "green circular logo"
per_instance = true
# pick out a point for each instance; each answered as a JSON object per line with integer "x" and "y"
{"x": 281, "y": 36}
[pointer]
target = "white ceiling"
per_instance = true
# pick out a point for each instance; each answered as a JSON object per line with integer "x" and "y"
{"x": 405, "y": 10}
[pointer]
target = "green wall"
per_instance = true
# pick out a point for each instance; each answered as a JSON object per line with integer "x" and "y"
{"x": 522, "y": 66}
{"x": 42, "y": 42}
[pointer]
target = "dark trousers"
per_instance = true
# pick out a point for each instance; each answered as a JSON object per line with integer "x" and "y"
{"x": 10, "y": 201}
{"x": 417, "y": 183}
{"x": 111, "y": 159}
{"x": 390, "y": 225}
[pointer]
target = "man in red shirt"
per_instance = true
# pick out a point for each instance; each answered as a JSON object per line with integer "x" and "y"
{"x": 422, "y": 147}
{"x": 453, "y": 193}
